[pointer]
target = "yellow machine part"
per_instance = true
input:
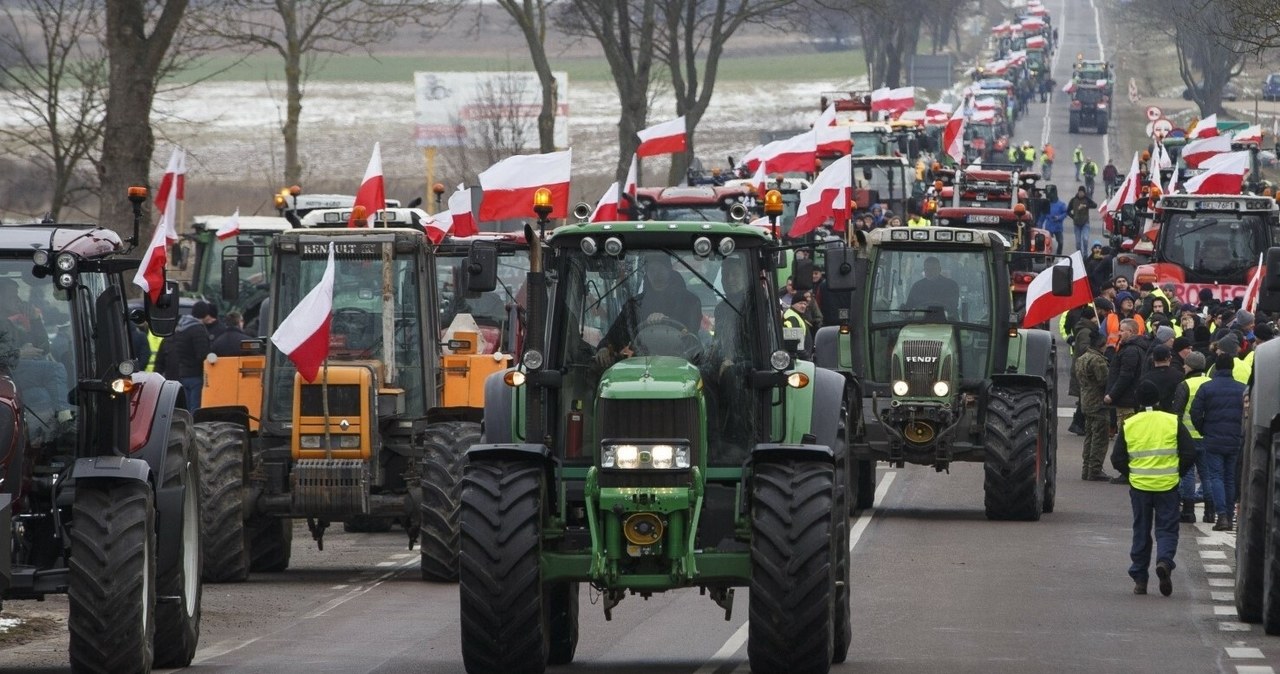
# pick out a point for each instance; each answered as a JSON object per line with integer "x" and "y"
{"x": 235, "y": 381}
{"x": 465, "y": 372}
{"x": 350, "y": 390}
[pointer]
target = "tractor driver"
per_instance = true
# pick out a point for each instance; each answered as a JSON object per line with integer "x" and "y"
{"x": 1216, "y": 256}
{"x": 24, "y": 354}
{"x": 934, "y": 290}
{"x": 664, "y": 300}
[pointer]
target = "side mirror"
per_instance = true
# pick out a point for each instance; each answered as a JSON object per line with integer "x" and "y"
{"x": 1063, "y": 278}
{"x": 162, "y": 316}
{"x": 244, "y": 254}
{"x": 180, "y": 254}
{"x": 1269, "y": 288}
{"x": 802, "y": 273}
{"x": 481, "y": 272}
{"x": 841, "y": 276}
{"x": 230, "y": 279}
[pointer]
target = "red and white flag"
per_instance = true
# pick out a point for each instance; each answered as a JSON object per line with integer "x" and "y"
{"x": 1250, "y": 301}
{"x": 937, "y": 113}
{"x": 371, "y": 194}
{"x": 1197, "y": 151}
{"x": 1032, "y": 24}
{"x": 627, "y": 195}
{"x": 796, "y": 154}
{"x": 509, "y": 185}
{"x": 1206, "y": 128}
{"x": 815, "y": 200}
{"x": 1003, "y": 28}
{"x": 303, "y": 335}
{"x": 1128, "y": 191}
{"x": 666, "y": 138}
{"x": 438, "y": 226}
{"x": 150, "y": 275}
{"x": 461, "y": 219}
{"x": 230, "y": 227}
{"x": 893, "y": 101}
{"x": 1043, "y": 305}
{"x": 606, "y": 209}
{"x": 831, "y": 139}
{"x": 953, "y": 136}
{"x": 759, "y": 180}
{"x": 1069, "y": 87}
{"x": 1224, "y": 174}
{"x": 1036, "y": 42}
{"x": 174, "y": 180}
{"x": 1250, "y": 135}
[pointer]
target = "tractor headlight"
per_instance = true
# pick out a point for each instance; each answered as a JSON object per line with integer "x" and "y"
{"x": 941, "y": 389}
{"x": 65, "y": 262}
{"x": 532, "y": 359}
{"x": 349, "y": 441}
{"x": 900, "y": 388}
{"x": 780, "y": 360}
{"x": 658, "y": 456}
{"x": 41, "y": 258}
{"x": 310, "y": 441}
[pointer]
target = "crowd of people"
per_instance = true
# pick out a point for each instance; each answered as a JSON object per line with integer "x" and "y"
{"x": 181, "y": 356}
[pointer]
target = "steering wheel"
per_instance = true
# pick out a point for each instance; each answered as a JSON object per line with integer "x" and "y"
{"x": 666, "y": 337}
{"x": 354, "y": 322}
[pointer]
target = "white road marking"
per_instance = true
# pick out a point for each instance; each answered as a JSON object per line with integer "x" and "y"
{"x": 859, "y": 526}
{"x": 1229, "y": 626}
{"x": 403, "y": 555}
{"x": 1254, "y": 669}
{"x": 729, "y": 648}
{"x": 219, "y": 649}
{"x": 1212, "y": 554}
{"x": 1222, "y": 596}
{"x": 1217, "y": 568}
{"x": 1225, "y": 610}
{"x": 1102, "y": 56}
{"x": 339, "y": 587}
{"x": 1222, "y": 582}
{"x": 384, "y": 564}
{"x": 1244, "y": 653}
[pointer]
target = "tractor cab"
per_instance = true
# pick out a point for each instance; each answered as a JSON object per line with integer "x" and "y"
{"x": 883, "y": 180}
{"x": 702, "y": 203}
{"x": 235, "y": 260}
{"x": 294, "y": 205}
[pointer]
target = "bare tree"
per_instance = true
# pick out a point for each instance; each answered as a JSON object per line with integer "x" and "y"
{"x": 502, "y": 101}
{"x": 301, "y": 31}
{"x": 54, "y": 80}
{"x": 1252, "y": 26}
{"x": 531, "y": 17}
{"x": 1207, "y": 56}
{"x": 139, "y": 34}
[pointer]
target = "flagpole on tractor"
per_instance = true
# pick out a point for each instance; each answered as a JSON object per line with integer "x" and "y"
{"x": 324, "y": 408}
{"x": 429, "y": 153}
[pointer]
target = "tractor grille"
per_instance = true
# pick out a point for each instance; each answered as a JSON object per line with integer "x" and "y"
{"x": 644, "y": 419}
{"x": 920, "y": 361}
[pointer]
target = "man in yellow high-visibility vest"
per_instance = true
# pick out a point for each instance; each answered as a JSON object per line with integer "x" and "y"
{"x": 1194, "y": 365}
{"x": 1153, "y": 449}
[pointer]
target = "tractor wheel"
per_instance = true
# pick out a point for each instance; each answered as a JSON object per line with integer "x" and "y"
{"x": 1251, "y": 528}
{"x": 220, "y": 451}
{"x": 1102, "y": 125}
{"x": 368, "y": 524}
{"x": 111, "y": 584}
{"x": 791, "y": 612}
{"x": 270, "y": 543}
{"x": 178, "y": 622}
{"x": 842, "y": 633}
{"x": 1271, "y": 553}
{"x": 864, "y": 491}
{"x": 1073, "y": 123}
{"x": 502, "y": 602}
{"x": 446, "y": 445}
{"x": 1014, "y": 481}
{"x": 562, "y": 622}
{"x": 1051, "y": 437}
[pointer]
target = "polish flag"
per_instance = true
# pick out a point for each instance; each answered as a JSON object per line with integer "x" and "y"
{"x": 937, "y": 113}
{"x": 1206, "y": 128}
{"x": 1250, "y": 301}
{"x": 1043, "y": 305}
{"x": 438, "y": 226}
{"x": 509, "y": 185}
{"x": 1032, "y": 24}
{"x": 1197, "y": 151}
{"x": 759, "y": 181}
{"x": 666, "y": 138}
{"x": 1128, "y": 190}
{"x": 461, "y": 219}
{"x": 815, "y": 200}
{"x": 986, "y": 103}
{"x": 915, "y": 116}
{"x": 303, "y": 335}
{"x": 1036, "y": 42}
{"x": 150, "y": 275}
{"x": 629, "y": 191}
{"x": 175, "y": 178}
{"x": 1002, "y": 29}
{"x": 1250, "y": 135}
{"x": 831, "y": 139}
{"x": 371, "y": 194}
{"x": 840, "y": 211}
{"x": 1069, "y": 87}
{"x": 230, "y": 227}
{"x": 1225, "y": 175}
{"x": 607, "y": 208}
{"x": 893, "y": 101}
{"x": 795, "y": 154}
{"x": 1160, "y": 158}
{"x": 953, "y": 136}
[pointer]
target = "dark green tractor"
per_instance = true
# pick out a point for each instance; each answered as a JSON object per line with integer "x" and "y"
{"x": 656, "y": 435}
{"x": 946, "y": 374}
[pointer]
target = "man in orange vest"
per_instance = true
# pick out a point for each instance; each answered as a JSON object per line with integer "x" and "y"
{"x": 1046, "y": 161}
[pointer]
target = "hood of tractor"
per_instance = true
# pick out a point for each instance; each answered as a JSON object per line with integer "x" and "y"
{"x": 651, "y": 377}
{"x": 922, "y": 357}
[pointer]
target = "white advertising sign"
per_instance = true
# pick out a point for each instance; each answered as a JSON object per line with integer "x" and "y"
{"x": 465, "y": 109}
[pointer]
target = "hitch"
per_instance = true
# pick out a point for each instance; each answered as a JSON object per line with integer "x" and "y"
{"x": 317, "y": 528}
{"x": 723, "y": 597}
{"x": 612, "y": 598}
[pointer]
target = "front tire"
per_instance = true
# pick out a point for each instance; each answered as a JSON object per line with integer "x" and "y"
{"x": 562, "y": 622}
{"x": 792, "y": 613}
{"x": 502, "y": 602}
{"x": 1271, "y": 551}
{"x": 1013, "y": 480}
{"x": 178, "y": 622}
{"x": 270, "y": 543}
{"x": 111, "y": 585}
{"x": 446, "y": 451}
{"x": 220, "y": 451}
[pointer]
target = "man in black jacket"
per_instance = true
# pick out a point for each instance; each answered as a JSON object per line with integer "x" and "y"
{"x": 1124, "y": 374}
{"x": 1165, "y": 377}
{"x": 233, "y": 334}
{"x": 190, "y": 348}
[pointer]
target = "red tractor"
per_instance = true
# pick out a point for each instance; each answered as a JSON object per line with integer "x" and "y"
{"x": 98, "y": 478}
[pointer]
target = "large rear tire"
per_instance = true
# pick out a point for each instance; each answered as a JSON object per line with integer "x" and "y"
{"x": 864, "y": 485}
{"x": 1271, "y": 551}
{"x": 1050, "y": 462}
{"x": 1073, "y": 123}
{"x": 1013, "y": 476}
{"x": 792, "y": 606}
{"x": 178, "y": 622}
{"x": 220, "y": 450}
{"x": 1251, "y": 528}
{"x": 842, "y": 633}
{"x": 446, "y": 451}
{"x": 502, "y": 602}
{"x": 111, "y": 585}
{"x": 270, "y": 543}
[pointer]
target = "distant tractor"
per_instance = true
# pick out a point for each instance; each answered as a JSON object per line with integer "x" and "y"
{"x": 98, "y": 474}
{"x": 239, "y": 262}
{"x": 633, "y": 451}
{"x": 1090, "y": 107}
{"x": 946, "y": 374}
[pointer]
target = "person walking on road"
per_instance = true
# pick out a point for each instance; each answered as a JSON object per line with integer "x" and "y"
{"x": 1152, "y": 451}
{"x": 1109, "y": 175}
{"x": 1077, "y": 158}
{"x": 1194, "y": 364}
{"x": 1052, "y": 220}
{"x": 1079, "y": 208}
{"x": 1046, "y": 162}
{"x": 1216, "y": 413}
{"x": 1090, "y": 172}
{"x": 1091, "y": 374}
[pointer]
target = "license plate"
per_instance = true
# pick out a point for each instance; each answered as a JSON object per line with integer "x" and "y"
{"x": 1216, "y": 205}
{"x": 985, "y": 219}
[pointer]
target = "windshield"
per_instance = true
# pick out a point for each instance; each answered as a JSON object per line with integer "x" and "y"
{"x": 930, "y": 286}
{"x": 1213, "y": 246}
{"x": 888, "y": 183}
{"x": 687, "y": 212}
{"x": 492, "y": 311}
{"x": 867, "y": 144}
{"x": 358, "y": 331}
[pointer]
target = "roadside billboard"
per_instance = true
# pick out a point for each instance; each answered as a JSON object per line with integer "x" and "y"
{"x": 479, "y": 108}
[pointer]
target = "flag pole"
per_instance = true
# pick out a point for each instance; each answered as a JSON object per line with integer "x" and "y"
{"x": 324, "y": 408}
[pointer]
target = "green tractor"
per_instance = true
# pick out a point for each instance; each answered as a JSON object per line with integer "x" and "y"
{"x": 945, "y": 373}
{"x": 656, "y": 434}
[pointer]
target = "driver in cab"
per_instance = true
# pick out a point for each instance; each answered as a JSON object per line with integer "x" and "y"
{"x": 664, "y": 300}
{"x": 934, "y": 290}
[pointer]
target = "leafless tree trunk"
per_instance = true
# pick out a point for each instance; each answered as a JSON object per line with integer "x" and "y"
{"x": 136, "y": 52}
{"x": 531, "y": 17}
{"x": 54, "y": 81}
{"x": 1207, "y": 56}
